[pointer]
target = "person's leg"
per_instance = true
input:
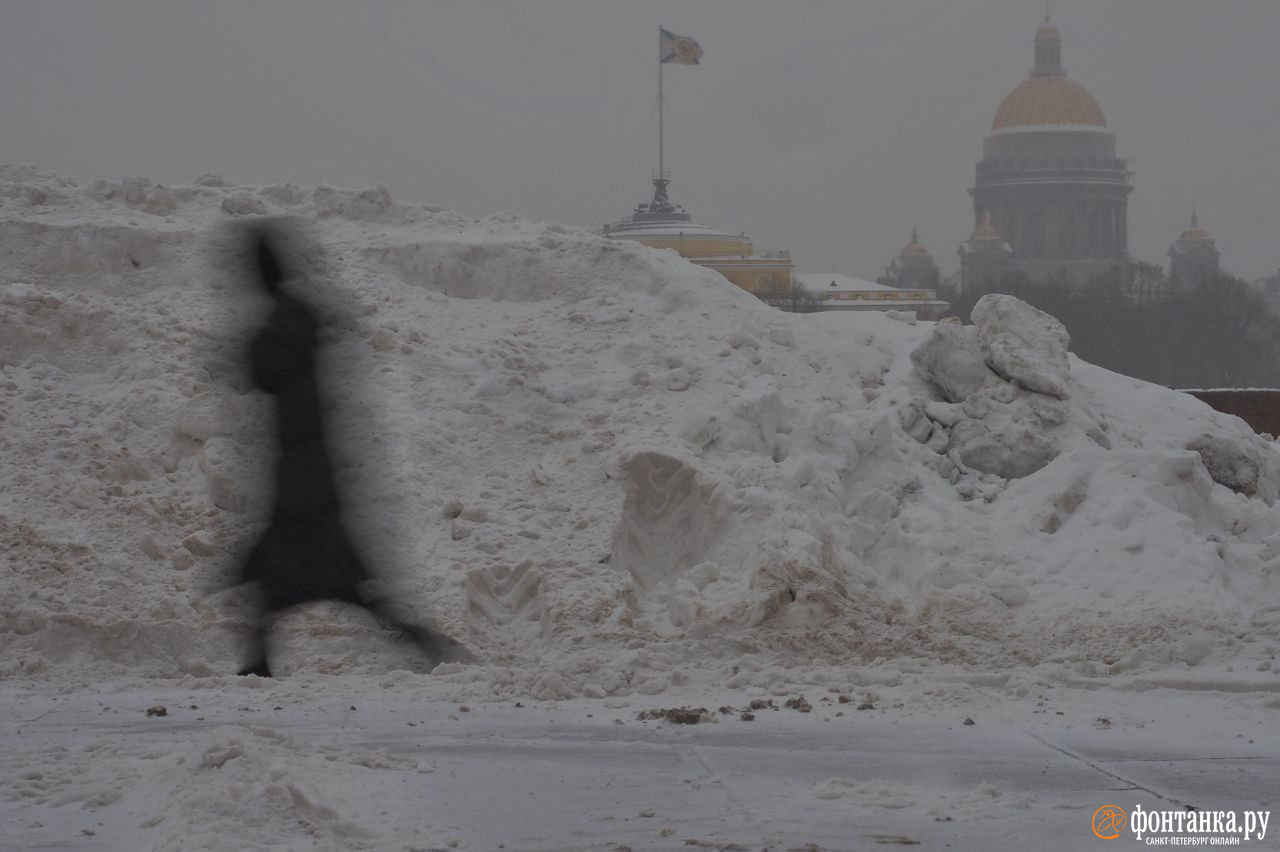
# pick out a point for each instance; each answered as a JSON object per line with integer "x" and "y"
{"x": 259, "y": 665}
{"x": 256, "y": 565}
{"x": 437, "y": 646}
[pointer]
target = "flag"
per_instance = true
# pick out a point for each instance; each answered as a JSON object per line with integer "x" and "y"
{"x": 679, "y": 49}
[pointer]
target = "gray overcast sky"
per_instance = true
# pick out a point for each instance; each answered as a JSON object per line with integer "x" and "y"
{"x": 823, "y": 126}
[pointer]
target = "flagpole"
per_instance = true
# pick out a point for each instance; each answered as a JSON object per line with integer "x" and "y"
{"x": 661, "y": 174}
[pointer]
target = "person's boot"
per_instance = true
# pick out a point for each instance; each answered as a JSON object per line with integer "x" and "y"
{"x": 440, "y": 648}
{"x": 260, "y": 669}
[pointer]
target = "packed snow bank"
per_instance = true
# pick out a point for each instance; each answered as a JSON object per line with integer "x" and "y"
{"x": 602, "y": 467}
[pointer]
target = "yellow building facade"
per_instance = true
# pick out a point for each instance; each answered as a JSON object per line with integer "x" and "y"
{"x": 663, "y": 225}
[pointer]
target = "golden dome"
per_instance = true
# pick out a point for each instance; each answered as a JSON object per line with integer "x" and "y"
{"x": 914, "y": 249}
{"x": 1195, "y": 232}
{"x": 1048, "y": 100}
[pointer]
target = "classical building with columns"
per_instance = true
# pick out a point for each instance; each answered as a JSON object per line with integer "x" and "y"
{"x": 1050, "y": 185}
{"x": 662, "y": 224}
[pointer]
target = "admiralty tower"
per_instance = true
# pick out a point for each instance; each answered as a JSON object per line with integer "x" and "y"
{"x": 1049, "y": 182}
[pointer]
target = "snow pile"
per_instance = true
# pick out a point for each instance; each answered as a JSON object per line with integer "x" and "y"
{"x": 605, "y": 469}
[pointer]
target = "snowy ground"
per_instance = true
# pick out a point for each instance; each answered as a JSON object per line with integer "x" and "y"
{"x": 626, "y": 485}
{"x": 325, "y": 763}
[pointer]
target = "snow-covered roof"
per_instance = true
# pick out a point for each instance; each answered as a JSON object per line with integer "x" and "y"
{"x": 834, "y": 282}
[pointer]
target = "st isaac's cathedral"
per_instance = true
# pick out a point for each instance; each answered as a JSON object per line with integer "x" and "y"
{"x": 1050, "y": 192}
{"x": 1050, "y": 195}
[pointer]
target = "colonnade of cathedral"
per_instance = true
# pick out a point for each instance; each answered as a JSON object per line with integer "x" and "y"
{"x": 1062, "y": 228}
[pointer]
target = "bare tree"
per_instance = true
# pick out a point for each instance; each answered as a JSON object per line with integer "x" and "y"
{"x": 790, "y": 297}
{"x": 1217, "y": 333}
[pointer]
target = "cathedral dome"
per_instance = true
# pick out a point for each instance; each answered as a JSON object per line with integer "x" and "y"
{"x": 1195, "y": 232}
{"x": 1048, "y": 97}
{"x": 1047, "y": 101}
{"x": 914, "y": 248}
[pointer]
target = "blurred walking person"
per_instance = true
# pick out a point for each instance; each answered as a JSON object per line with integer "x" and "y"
{"x": 306, "y": 553}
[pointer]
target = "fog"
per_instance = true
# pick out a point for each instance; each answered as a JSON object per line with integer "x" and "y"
{"x": 827, "y": 128}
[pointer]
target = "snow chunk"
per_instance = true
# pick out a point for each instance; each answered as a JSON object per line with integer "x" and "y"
{"x": 1006, "y": 445}
{"x": 952, "y": 359}
{"x": 135, "y": 189}
{"x": 223, "y": 467}
{"x": 243, "y": 204}
{"x": 948, "y": 414}
{"x": 1023, "y": 344}
{"x": 1241, "y": 468}
{"x": 18, "y": 293}
{"x": 1006, "y": 428}
{"x": 212, "y": 179}
{"x": 203, "y": 418}
{"x": 1012, "y": 433}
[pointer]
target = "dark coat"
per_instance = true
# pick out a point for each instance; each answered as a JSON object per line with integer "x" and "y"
{"x": 305, "y": 554}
